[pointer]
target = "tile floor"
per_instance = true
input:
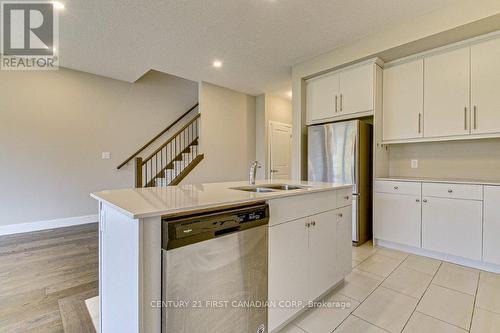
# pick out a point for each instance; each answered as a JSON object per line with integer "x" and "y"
{"x": 392, "y": 291}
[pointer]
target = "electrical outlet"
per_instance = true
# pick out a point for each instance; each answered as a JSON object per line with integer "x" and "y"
{"x": 106, "y": 155}
{"x": 414, "y": 164}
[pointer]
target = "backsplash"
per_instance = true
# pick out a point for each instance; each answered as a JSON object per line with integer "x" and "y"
{"x": 467, "y": 159}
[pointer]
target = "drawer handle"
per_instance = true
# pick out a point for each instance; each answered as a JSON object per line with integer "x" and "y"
{"x": 396, "y": 187}
{"x": 450, "y": 191}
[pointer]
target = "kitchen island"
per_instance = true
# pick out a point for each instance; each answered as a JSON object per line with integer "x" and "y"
{"x": 309, "y": 252}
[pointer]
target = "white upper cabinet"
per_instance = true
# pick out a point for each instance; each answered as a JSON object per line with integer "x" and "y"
{"x": 322, "y": 97}
{"x": 342, "y": 93}
{"x": 485, "y": 82}
{"x": 356, "y": 89}
{"x": 446, "y": 94}
{"x": 403, "y": 101}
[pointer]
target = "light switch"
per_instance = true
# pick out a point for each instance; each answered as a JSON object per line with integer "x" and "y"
{"x": 106, "y": 155}
{"x": 414, "y": 164}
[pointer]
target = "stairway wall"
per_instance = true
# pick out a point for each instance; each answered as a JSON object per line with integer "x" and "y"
{"x": 54, "y": 126}
{"x": 227, "y": 135}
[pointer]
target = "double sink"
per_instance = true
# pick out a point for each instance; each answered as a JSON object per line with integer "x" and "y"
{"x": 269, "y": 188}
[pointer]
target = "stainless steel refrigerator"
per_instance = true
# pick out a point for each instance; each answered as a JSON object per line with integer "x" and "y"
{"x": 342, "y": 153}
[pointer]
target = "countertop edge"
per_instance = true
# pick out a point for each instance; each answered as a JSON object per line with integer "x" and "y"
{"x": 437, "y": 180}
{"x": 269, "y": 196}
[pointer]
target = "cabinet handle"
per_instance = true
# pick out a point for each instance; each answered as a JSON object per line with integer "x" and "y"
{"x": 313, "y": 223}
{"x": 465, "y": 117}
{"x": 346, "y": 197}
{"x": 396, "y": 187}
{"x": 341, "y": 102}
{"x": 418, "y": 200}
{"x": 341, "y": 215}
{"x": 425, "y": 200}
{"x": 475, "y": 117}
{"x": 308, "y": 224}
{"x": 419, "y": 123}
{"x": 450, "y": 191}
{"x": 336, "y": 104}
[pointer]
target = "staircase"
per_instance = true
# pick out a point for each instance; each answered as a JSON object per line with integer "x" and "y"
{"x": 173, "y": 160}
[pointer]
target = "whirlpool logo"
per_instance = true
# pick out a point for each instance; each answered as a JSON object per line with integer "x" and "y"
{"x": 29, "y": 35}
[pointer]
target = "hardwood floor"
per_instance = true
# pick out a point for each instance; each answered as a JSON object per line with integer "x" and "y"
{"x": 44, "y": 276}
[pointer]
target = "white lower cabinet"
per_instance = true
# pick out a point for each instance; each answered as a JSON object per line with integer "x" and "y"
{"x": 344, "y": 241}
{"x": 307, "y": 257}
{"x": 288, "y": 273}
{"x": 397, "y": 218}
{"x": 452, "y": 226}
{"x": 491, "y": 231}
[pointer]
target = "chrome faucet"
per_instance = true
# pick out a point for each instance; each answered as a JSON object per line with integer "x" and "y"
{"x": 253, "y": 171}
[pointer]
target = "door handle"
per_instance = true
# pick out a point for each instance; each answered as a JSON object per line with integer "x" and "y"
{"x": 465, "y": 117}
{"x": 475, "y": 117}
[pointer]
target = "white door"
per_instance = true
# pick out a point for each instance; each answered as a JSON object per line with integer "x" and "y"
{"x": 344, "y": 241}
{"x": 452, "y": 226}
{"x": 397, "y": 218}
{"x": 322, "y": 253}
{"x": 322, "y": 97}
{"x": 288, "y": 268}
{"x": 403, "y": 101}
{"x": 280, "y": 148}
{"x": 491, "y": 228}
{"x": 485, "y": 80}
{"x": 356, "y": 89}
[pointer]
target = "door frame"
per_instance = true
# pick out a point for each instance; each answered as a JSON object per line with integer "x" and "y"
{"x": 270, "y": 125}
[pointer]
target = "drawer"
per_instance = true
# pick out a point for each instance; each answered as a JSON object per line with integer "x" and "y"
{"x": 407, "y": 188}
{"x": 452, "y": 191}
{"x": 344, "y": 198}
{"x": 299, "y": 206}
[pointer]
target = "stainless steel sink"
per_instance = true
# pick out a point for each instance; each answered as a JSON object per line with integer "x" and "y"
{"x": 283, "y": 187}
{"x": 269, "y": 188}
{"x": 255, "y": 189}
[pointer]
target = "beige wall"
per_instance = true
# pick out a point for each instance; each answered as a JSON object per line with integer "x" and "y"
{"x": 471, "y": 159}
{"x": 269, "y": 108}
{"x": 54, "y": 126}
{"x": 227, "y": 135}
{"x": 464, "y": 19}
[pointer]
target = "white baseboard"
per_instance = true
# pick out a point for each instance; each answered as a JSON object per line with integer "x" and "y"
{"x": 47, "y": 224}
{"x": 439, "y": 256}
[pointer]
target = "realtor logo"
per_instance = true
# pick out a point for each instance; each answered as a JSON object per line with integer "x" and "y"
{"x": 29, "y": 35}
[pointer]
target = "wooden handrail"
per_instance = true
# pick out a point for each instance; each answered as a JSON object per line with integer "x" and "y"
{"x": 171, "y": 139}
{"x": 157, "y": 136}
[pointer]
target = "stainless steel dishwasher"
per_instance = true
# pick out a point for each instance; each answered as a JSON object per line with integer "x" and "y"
{"x": 215, "y": 271}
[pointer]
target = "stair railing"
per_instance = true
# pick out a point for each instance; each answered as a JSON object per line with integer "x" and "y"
{"x": 173, "y": 160}
{"x": 157, "y": 136}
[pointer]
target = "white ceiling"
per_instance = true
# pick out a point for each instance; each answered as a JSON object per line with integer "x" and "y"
{"x": 257, "y": 40}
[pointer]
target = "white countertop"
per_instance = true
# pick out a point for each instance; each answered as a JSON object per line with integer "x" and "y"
{"x": 441, "y": 180}
{"x": 155, "y": 201}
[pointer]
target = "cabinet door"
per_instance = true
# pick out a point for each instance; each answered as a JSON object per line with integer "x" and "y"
{"x": 397, "y": 218}
{"x": 403, "y": 101}
{"x": 344, "y": 242}
{"x": 452, "y": 226}
{"x": 288, "y": 268}
{"x": 322, "y": 97}
{"x": 322, "y": 253}
{"x": 491, "y": 231}
{"x": 356, "y": 89}
{"x": 485, "y": 80}
{"x": 446, "y": 91}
